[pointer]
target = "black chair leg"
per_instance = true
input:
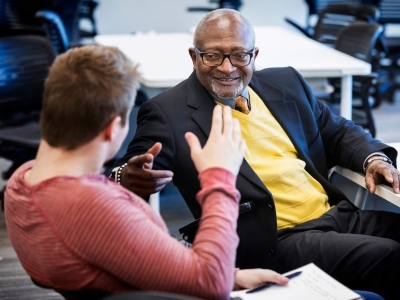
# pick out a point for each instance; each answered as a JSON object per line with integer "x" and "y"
{"x": 370, "y": 123}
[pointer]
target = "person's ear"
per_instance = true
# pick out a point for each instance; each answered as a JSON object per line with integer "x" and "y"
{"x": 113, "y": 128}
{"x": 193, "y": 56}
{"x": 256, "y": 52}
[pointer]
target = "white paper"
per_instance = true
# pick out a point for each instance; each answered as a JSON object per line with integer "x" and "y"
{"x": 311, "y": 284}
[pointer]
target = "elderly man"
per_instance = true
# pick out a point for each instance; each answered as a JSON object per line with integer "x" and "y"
{"x": 293, "y": 139}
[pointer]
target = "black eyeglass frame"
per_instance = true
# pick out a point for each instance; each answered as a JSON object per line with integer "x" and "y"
{"x": 225, "y": 55}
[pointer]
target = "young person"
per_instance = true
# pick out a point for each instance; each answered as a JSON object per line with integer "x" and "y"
{"x": 74, "y": 229}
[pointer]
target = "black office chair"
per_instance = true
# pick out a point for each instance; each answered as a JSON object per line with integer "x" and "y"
{"x": 232, "y": 4}
{"x": 24, "y": 64}
{"x": 102, "y": 295}
{"x": 61, "y": 24}
{"x": 359, "y": 39}
{"x": 55, "y": 30}
{"x": 189, "y": 231}
{"x": 86, "y": 13}
{"x": 315, "y": 7}
{"x": 334, "y": 17}
{"x": 149, "y": 295}
{"x": 390, "y": 65}
{"x": 17, "y": 17}
{"x": 76, "y": 295}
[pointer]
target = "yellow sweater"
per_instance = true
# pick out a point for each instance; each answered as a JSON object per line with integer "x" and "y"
{"x": 298, "y": 196}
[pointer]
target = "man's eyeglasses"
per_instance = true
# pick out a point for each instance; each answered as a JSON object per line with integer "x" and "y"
{"x": 237, "y": 59}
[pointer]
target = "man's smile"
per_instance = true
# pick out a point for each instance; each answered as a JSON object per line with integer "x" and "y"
{"x": 227, "y": 80}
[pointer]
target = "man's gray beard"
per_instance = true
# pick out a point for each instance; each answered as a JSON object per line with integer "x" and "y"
{"x": 217, "y": 90}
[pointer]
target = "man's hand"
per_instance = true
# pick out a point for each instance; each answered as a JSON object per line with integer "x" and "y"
{"x": 139, "y": 177}
{"x": 379, "y": 170}
{"x": 224, "y": 147}
{"x": 250, "y": 278}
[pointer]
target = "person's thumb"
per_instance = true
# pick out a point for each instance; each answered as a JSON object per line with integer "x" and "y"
{"x": 193, "y": 142}
{"x": 155, "y": 149}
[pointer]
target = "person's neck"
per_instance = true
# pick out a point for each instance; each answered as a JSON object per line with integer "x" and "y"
{"x": 53, "y": 162}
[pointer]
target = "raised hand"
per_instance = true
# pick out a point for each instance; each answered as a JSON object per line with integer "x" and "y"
{"x": 225, "y": 146}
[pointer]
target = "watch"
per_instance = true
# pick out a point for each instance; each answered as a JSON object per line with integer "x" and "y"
{"x": 376, "y": 157}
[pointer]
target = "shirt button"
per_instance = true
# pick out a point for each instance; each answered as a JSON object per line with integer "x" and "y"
{"x": 270, "y": 207}
{"x": 271, "y": 252}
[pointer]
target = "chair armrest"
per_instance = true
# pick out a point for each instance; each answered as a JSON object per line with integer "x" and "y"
{"x": 55, "y": 29}
{"x": 305, "y": 31}
{"x": 189, "y": 231}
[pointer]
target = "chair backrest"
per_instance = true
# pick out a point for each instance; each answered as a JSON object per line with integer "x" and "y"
{"x": 232, "y": 4}
{"x": 68, "y": 11}
{"x": 86, "y": 12}
{"x": 55, "y": 30}
{"x": 316, "y": 6}
{"x": 359, "y": 39}
{"x": 24, "y": 64}
{"x": 335, "y": 17}
{"x": 390, "y": 10}
{"x": 149, "y": 295}
{"x": 18, "y": 16}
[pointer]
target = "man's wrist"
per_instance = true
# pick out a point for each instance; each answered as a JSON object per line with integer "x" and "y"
{"x": 116, "y": 173}
{"x": 374, "y": 158}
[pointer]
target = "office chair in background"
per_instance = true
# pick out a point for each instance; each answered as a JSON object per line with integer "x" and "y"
{"x": 315, "y": 7}
{"x": 55, "y": 30}
{"x": 390, "y": 64}
{"x": 17, "y": 17}
{"x": 86, "y": 14}
{"x": 389, "y": 47}
{"x": 149, "y": 295}
{"x": 232, "y": 4}
{"x": 332, "y": 18}
{"x": 25, "y": 57}
{"x": 24, "y": 64}
{"x": 359, "y": 39}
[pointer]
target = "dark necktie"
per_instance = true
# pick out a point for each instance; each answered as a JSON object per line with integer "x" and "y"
{"x": 242, "y": 105}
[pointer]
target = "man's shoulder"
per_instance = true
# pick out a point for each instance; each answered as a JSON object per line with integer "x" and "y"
{"x": 280, "y": 78}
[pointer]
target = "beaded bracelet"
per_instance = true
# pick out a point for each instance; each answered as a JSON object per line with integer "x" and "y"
{"x": 119, "y": 172}
{"x": 380, "y": 157}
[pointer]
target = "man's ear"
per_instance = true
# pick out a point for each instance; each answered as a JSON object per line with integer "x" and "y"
{"x": 193, "y": 56}
{"x": 256, "y": 50}
{"x": 112, "y": 129}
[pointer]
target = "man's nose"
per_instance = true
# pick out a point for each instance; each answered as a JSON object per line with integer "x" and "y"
{"x": 226, "y": 66}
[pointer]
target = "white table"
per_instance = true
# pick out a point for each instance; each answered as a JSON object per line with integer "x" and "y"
{"x": 362, "y": 193}
{"x": 164, "y": 59}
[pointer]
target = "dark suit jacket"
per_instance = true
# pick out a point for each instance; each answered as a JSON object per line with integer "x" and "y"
{"x": 322, "y": 140}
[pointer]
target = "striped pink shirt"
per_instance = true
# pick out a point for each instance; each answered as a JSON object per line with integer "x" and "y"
{"x": 88, "y": 232}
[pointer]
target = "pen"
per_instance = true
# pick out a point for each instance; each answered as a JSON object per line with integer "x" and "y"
{"x": 268, "y": 284}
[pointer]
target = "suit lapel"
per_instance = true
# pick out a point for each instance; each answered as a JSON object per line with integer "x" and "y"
{"x": 200, "y": 99}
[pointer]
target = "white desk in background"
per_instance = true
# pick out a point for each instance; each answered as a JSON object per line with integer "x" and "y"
{"x": 363, "y": 199}
{"x": 164, "y": 59}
